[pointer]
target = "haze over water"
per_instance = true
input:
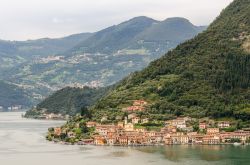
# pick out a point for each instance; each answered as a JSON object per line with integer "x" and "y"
{"x": 22, "y": 142}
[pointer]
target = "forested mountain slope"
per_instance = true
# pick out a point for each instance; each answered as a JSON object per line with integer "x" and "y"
{"x": 68, "y": 101}
{"x": 208, "y": 76}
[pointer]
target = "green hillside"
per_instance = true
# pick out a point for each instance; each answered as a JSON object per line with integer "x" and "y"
{"x": 69, "y": 100}
{"x": 15, "y": 53}
{"x": 137, "y": 33}
{"x": 205, "y": 76}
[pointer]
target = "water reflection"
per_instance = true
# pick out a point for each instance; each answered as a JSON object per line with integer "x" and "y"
{"x": 173, "y": 154}
{"x": 207, "y": 153}
{"x": 22, "y": 140}
{"x": 119, "y": 154}
{"x": 149, "y": 149}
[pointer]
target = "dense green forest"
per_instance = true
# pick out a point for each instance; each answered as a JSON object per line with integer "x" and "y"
{"x": 208, "y": 76}
{"x": 69, "y": 101}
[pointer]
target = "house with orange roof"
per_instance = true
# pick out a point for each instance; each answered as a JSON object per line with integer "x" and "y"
{"x": 140, "y": 103}
{"x": 223, "y": 124}
{"x": 91, "y": 124}
{"x": 57, "y": 131}
{"x": 213, "y": 130}
{"x": 122, "y": 140}
{"x": 202, "y": 125}
{"x": 211, "y": 139}
{"x": 111, "y": 140}
{"x": 129, "y": 127}
{"x": 120, "y": 124}
{"x": 99, "y": 140}
{"x": 134, "y": 108}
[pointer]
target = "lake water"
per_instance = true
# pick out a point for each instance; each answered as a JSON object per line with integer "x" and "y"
{"x": 22, "y": 142}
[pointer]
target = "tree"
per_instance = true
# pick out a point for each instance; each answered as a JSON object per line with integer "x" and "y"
{"x": 85, "y": 112}
{"x": 196, "y": 127}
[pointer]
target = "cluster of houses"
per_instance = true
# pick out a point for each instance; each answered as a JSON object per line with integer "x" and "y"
{"x": 43, "y": 114}
{"x": 15, "y": 108}
{"x": 182, "y": 130}
{"x": 11, "y": 108}
{"x": 138, "y": 105}
{"x": 175, "y": 131}
{"x": 52, "y": 116}
{"x": 91, "y": 84}
{"x": 50, "y": 59}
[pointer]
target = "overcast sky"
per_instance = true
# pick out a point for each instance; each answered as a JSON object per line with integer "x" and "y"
{"x": 31, "y": 19}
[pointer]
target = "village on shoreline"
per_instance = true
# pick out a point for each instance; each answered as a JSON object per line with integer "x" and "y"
{"x": 174, "y": 132}
{"x": 131, "y": 131}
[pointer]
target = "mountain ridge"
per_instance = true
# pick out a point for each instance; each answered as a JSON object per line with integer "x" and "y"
{"x": 44, "y": 72}
{"x": 112, "y": 35}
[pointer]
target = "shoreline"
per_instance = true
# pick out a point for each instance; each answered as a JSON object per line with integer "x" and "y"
{"x": 43, "y": 119}
{"x": 146, "y": 145}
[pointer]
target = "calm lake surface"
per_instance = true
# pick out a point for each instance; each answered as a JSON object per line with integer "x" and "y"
{"x": 22, "y": 142}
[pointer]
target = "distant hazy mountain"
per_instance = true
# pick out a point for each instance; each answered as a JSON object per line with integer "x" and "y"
{"x": 115, "y": 37}
{"x": 13, "y": 95}
{"x": 13, "y": 53}
{"x": 138, "y": 31}
{"x": 99, "y": 59}
{"x": 47, "y": 46}
{"x": 172, "y": 29}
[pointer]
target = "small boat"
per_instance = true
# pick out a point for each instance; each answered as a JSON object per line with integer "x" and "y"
{"x": 237, "y": 144}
